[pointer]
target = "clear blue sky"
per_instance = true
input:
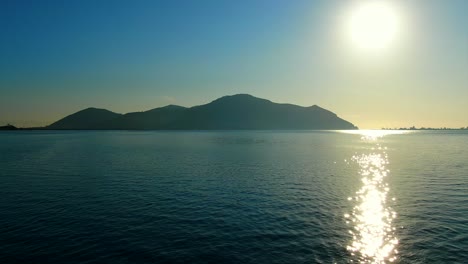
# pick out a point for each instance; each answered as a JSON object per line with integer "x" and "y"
{"x": 58, "y": 57}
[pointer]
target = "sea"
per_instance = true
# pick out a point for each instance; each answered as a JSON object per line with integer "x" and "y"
{"x": 363, "y": 196}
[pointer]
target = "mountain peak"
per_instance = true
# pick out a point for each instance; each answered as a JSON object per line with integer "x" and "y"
{"x": 94, "y": 109}
{"x": 87, "y": 118}
{"x": 239, "y": 98}
{"x": 170, "y": 107}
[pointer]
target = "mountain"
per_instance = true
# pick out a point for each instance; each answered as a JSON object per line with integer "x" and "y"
{"x": 89, "y": 118}
{"x": 241, "y": 111}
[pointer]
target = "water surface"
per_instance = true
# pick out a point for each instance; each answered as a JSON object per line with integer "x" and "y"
{"x": 233, "y": 197}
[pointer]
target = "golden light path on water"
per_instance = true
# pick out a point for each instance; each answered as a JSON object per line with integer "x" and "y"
{"x": 371, "y": 219}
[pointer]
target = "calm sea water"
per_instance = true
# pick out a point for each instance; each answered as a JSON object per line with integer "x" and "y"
{"x": 233, "y": 197}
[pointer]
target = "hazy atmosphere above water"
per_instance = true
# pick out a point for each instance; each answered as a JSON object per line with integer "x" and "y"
{"x": 59, "y": 57}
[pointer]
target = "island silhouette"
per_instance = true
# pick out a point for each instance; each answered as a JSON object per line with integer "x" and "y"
{"x": 234, "y": 112}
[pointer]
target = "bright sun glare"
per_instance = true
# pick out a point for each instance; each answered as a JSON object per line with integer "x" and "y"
{"x": 373, "y": 25}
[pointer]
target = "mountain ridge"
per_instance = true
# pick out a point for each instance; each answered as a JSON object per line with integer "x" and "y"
{"x": 232, "y": 112}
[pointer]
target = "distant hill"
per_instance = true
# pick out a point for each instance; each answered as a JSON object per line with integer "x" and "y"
{"x": 89, "y": 118}
{"x": 234, "y": 112}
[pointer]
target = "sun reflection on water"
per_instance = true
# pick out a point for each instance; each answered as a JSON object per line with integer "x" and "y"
{"x": 374, "y": 239}
{"x": 375, "y": 134}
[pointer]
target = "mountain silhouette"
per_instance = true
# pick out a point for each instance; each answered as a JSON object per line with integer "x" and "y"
{"x": 235, "y": 112}
{"x": 89, "y": 118}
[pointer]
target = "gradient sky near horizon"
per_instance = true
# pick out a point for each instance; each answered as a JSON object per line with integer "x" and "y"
{"x": 58, "y": 57}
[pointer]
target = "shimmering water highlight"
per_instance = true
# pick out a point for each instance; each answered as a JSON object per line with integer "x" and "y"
{"x": 373, "y": 233}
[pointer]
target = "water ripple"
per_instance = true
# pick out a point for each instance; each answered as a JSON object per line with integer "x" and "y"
{"x": 233, "y": 197}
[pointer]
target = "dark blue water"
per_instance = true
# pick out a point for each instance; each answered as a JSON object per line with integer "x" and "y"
{"x": 233, "y": 197}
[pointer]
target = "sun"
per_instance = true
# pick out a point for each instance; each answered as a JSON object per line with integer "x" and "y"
{"x": 373, "y": 25}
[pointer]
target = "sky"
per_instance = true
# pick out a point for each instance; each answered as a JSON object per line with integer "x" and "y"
{"x": 58, "y": 57}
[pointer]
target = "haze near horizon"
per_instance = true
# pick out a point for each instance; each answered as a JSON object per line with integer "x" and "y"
{"x": 375, "y": 63}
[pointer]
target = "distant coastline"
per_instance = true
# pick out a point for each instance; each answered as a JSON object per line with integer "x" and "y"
{"x": 425, "y": 128}
{"x": 8, "y": 127}
{"x": 234, "y": 112}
